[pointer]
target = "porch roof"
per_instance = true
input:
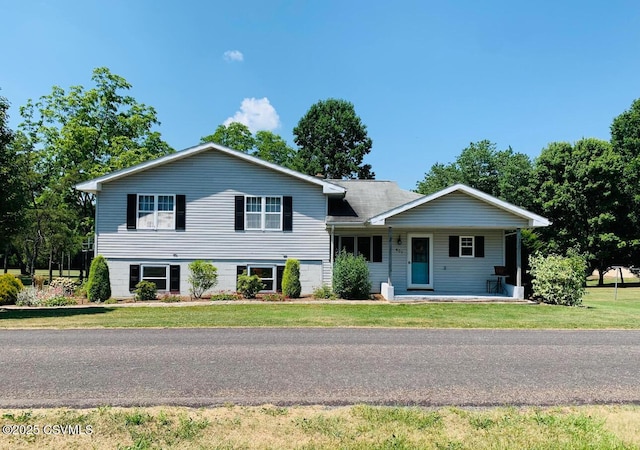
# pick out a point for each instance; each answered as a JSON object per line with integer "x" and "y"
{"x": 533, "y": 219}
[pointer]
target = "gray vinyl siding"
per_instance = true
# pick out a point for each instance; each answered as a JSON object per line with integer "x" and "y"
{"x": 451, "y": 275}
{"x": 457, "y": 210}
{"x": 210, "y": 181}
{"x": 378, "y": 271}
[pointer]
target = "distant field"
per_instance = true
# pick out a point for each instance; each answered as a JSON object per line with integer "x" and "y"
{"x": 45, "y": 272}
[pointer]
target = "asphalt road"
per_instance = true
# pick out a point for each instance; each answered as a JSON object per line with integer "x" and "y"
{"x": 201, "y": 367}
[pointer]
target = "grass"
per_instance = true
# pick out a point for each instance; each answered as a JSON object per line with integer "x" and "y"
{"x": 600, "y": 311}
{"x": 314, "y": 427}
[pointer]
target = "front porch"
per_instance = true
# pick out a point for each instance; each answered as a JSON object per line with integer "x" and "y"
{"x": 434, "y": 297}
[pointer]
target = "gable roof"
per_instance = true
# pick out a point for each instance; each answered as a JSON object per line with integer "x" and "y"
{"x": 534, "y": 219}
{"x": 365, "y": 199}
{"x": 95, "y": 185}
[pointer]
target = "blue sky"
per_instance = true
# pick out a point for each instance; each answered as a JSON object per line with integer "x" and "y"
{"x": 426, "y": 78}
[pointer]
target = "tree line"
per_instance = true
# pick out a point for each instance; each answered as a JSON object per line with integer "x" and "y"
{"x": 67, "y": 137}
{"x": 590, "y": 189}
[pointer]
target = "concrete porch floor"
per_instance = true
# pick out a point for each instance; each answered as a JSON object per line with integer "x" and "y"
{"x": 455, "y": 298}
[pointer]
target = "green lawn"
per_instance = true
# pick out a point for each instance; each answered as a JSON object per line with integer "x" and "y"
{"x": 599, "y": 311}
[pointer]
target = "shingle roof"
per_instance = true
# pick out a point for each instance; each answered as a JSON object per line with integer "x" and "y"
{"x": 365, "y": 199}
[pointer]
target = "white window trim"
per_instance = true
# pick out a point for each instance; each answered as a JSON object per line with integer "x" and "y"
{"x": 263, "y": 213}
{"x": 166, "y": 277}
{"x": 473, "y": 247}
{"x": 155, "y": 212}
{"x": 274, "y": 271}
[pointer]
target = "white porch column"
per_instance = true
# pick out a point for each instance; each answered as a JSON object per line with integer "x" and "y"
{"x": 390, "y": 256}
{"x": 386, "y": 289}
{"x": 518, "y": 258}
{"x": 332, "y": 244}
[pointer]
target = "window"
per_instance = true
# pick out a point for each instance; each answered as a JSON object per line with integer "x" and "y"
{"x": 367, "y": 246}
{"x": 156, "y": 212}
{"x": 263, "y": 213}
{"x": 156, "y": 275}
{"x": 364, "y": 247}
{"x": 466, "y": 246}
{"x": 267, "y": 276}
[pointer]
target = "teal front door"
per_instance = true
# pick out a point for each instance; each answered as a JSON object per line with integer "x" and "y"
{"x": 419, "y": 256}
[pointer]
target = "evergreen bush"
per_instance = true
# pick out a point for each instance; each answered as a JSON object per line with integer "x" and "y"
{"x": 558, "y": 280}
{"x": 9, "y": 288}
{"x": 204, "y": 276}
{"x": 249, "y": 286}
{"x": 351, "y": 276}
{"x": 291, "y": 279}
{"x": 146, "y": 290}
{"x": 98, "y": 285}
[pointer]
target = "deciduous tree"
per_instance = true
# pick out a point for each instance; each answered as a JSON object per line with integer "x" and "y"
{"x": 502, "y": 173}
{"x": 578, "y": 188}
{"x": 13, "y": 196}
{"x": 625, "y": 140}
{"x": 264, "y": 144}
{"x": 333, "y": 141}
{"x": 71, "y": 136}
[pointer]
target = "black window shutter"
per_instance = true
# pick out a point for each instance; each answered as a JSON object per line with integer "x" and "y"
{"x": 239, "y": 271}
{"x": 454, "y": 246}
{"x": 279, "y": 273}
{"x": 479, "y": 241}
{"x": 287, "y": 216}
{"x": 239, "y": 213}
{"x": 174, "y": 278}
{"x": 134, "y": 276}
{"x": 377, "y": 249}
{"x": 132, "y": 200}
{"x": 181, "y": 212}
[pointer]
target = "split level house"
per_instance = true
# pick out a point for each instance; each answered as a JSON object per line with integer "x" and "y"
{"x": 242, "y": 213}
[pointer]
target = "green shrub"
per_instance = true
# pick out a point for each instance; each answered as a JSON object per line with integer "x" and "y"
{"x": 66, "y": 285}
{"x": 351, "y": 276}
{"x": 249, "y": 286}
{"x": 28, "y": 297}
{"x": 220, "y": 296}
{"x": 98, "y": 284}
{"x": 146, "y": 290}
{"x": 59, "y": 300}
{"x": 111, "y": 301}
{"x": 275, "y": 297}
{"x": 9, "y": 288}
{"x": 558, "y": 280}
{"x": 324, "y": 292}
{"x": 291, "y": 279}
{"x": 170, "y": 298}
{"x": 204, "y": 276}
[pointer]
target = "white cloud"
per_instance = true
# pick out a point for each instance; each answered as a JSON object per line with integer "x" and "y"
{"x": 233, "y": 55}
{"x": 256, "y": 114}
